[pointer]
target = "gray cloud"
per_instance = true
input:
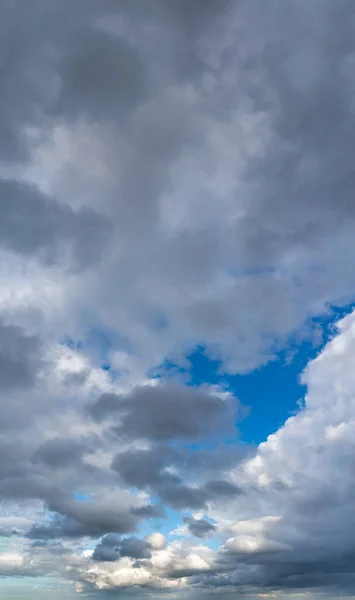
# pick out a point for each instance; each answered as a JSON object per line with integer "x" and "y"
{"x": 135, "y": 548}
{"x": 220, "y": 487}
{"x": 163, "y": 470}
{"x": 182, "y": 497}
{"x": 112, "y": 547}
{"x": 32, "y": 223}
{"x": 21, "y": 360}
{"x": 103, "y": 77}
{"x": 149, "y": 511}
{"x": 199, "y": 527}
{"x": 60, "y": 452}
{"x": 142, "y": 468}
{"x": 81, "y": 519}
{"x": 197, "y": 157}
{"x": 108, "y": 548}
{"x": 20, "y": 357}
{"x": 165, "y": 412}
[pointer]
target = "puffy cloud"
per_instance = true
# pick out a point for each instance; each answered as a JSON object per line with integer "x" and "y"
{"x": 112, "y": 547}
{"x": 291, "y": 527}
{"x": 156, "y": 541}
{"x": 165, "y": 412}
{"x": 164, "y": 471}
{"x": 142, "y": 468}
{"x": 302, "y": 538}
{"x": 108, "y": 548}
{"x": 199, "y": 527}
{"x": 90, "y": 518}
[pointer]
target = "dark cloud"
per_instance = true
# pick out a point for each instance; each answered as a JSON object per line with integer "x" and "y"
{"x": 221, "y": 488}
{"x": 199, "y": 527}
{"x": 24, "y": 483}
{"x": 149, "y": 511}
{"x": 148, "y": 469}
{"x": 105, "y": 553}
{"x": 165, "y": 412}
{"x": 103, "y": 77}
{"x": 152, "y": 469}
{"x": 112, "y": 547}
{"x": 20, "y": 357}
{"x": 182, "y": 497}
{"x": 68, "y": 527}
{"x": 75, "y": 519}
{"x": 141, "y": 468}
{"x": 60, "y": 452}
{"x": 108, "y": 548}
{"x": 135, "y": 548}
{"x": 32, "y": 223}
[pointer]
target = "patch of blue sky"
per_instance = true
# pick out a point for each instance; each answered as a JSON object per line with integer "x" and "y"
{"x": 272, "y": 392}
{"x": 71, "y": 343}
{"x": 82, "y": 497}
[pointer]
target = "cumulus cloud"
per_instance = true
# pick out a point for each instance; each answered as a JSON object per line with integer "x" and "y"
{"x": 165, "y": 412}
{"x": 302, "y": 540}
{"x": 199, "y": 527}
{"x": 174, "y": 174}
{"x": 34, "y": 224}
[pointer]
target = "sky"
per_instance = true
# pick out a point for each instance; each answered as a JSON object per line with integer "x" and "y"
{"x": 177, "y": 299}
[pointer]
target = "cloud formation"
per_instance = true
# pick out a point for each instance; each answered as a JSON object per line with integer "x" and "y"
{"x": 174, "y": 174}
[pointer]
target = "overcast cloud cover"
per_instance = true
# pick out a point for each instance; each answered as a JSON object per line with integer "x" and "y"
{"x": 174, "y": 174}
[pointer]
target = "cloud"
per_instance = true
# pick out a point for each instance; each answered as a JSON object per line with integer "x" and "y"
{"x": 199, "y": 527}
{"x": 205, "y": 116}
{"x": 59, "y": 452}
{"x": 183, "y": 496}
{"x": 174, "y": 175}
{"x": 156, "y": 541}
{"x": 20, "y": 357}
{"x": 305, "y": 543}
{"x": 291, "y": 528}
{"x": 164, "y": 471}
{"x": 90, "y": 518}
{"x": 142, "y": 468}
{"x": 108, "y": 548}
{"x": 35, "y": 224}
{"x": 165, "y": 412}
{"x": 112, "y": 547}
{"x": 220, "y": 487}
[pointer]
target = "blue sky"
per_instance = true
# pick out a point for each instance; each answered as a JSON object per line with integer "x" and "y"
{"x": 271, "y": 393}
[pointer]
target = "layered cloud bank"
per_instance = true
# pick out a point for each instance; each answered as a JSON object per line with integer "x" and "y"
{"x": 174, "y": 174}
